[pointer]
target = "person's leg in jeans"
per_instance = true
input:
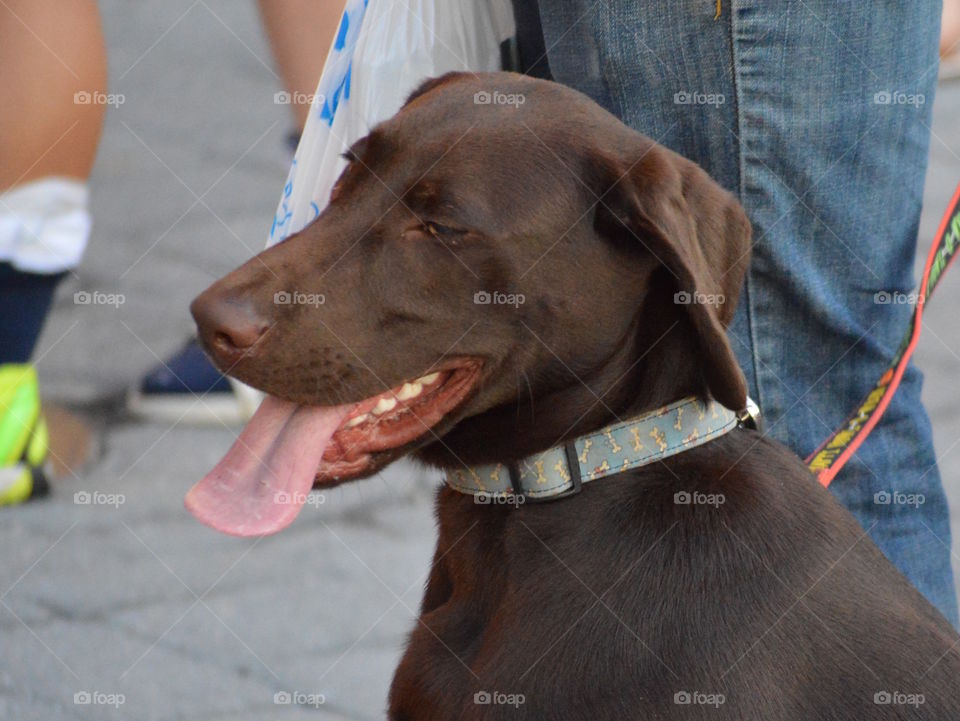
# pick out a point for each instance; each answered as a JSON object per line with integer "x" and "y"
{"x": 816, "y": 114}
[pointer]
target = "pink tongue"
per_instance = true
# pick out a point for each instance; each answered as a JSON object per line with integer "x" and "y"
{"x": 263, "y": 481}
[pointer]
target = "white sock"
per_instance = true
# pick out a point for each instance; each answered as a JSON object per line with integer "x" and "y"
{"x": 44, "y": 224}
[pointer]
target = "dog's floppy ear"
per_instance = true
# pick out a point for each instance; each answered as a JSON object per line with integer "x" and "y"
{"x": 698, "y": 232}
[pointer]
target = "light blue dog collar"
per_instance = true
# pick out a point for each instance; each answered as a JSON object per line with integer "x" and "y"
{"x": 560, "y": 471}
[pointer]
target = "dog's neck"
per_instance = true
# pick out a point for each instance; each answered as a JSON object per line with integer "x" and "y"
{"x": 622, "y": 387}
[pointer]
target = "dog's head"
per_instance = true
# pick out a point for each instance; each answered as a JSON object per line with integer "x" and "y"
{"x": 502, "y": 265}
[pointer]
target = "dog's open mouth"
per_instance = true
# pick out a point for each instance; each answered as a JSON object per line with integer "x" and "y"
{"x": 263, "y": 480}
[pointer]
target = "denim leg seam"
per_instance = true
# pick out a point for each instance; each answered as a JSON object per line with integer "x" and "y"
{"x": 741, "y": 184}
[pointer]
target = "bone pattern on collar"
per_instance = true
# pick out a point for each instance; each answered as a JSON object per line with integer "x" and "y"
{"x": 620, "y": 447}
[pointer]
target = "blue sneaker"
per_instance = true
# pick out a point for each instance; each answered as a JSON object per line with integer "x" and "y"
{"x": 188, "y": 389}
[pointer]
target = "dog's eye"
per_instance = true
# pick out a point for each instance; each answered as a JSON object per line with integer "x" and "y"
{"x": 439, "y": 231}
{"x": 448, "y": 236}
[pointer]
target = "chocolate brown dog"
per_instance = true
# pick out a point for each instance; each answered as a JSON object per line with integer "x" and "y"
{"x": 498, "y": 272}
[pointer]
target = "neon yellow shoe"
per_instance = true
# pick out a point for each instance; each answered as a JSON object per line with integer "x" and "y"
{"x": 23, "y": 436}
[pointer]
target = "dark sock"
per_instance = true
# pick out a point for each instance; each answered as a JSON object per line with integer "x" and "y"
{"x": 25, "y": 299}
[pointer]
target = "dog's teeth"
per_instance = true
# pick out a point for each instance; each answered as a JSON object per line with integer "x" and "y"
{"x": 409, "y": 390}
{"x": 384, "y": 405}
{"x": 428, "y": 379}
{"x": 356, "y": 421}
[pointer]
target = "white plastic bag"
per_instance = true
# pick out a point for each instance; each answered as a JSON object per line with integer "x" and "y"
{"x": 383, "y": 50}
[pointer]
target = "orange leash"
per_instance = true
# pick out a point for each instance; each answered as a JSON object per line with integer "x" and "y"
{"x": 832, "y": 455}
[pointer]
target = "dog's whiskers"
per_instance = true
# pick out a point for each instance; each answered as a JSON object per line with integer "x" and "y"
{"x": 530, "y": 393}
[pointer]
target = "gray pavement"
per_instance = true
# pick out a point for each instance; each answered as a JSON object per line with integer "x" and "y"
{"x": 129, "y": 595}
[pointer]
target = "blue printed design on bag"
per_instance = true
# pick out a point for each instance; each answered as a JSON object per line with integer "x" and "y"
{"x": 283, "y": 214}
{"x": 330, "y": 102}
{"x": 335, "y": 83}
{"x": 333, "y": 91}
{"x": 341, "y": 40}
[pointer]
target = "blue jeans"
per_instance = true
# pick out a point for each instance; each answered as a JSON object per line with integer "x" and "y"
{"x": 816, "y": 114}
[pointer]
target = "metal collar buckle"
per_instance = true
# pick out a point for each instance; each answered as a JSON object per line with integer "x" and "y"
{"x": 750, "y": 417}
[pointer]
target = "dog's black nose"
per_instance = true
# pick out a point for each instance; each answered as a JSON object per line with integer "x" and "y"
{"x": 227, "y": 324}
